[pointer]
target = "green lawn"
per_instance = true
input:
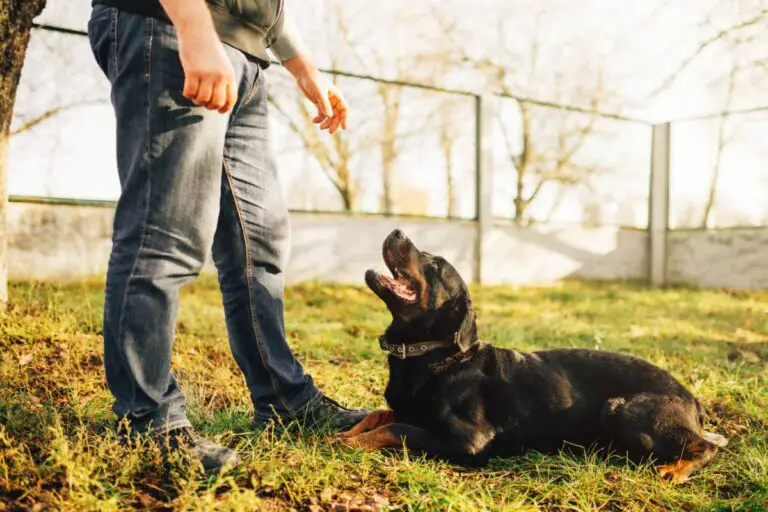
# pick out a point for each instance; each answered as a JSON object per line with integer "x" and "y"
{"x": 56, "y": 447}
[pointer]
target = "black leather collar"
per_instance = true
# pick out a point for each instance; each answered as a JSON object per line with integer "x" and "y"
{"x": 405, "y": 350}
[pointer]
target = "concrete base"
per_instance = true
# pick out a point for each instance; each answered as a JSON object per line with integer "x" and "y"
{"x": 55, "y": 242}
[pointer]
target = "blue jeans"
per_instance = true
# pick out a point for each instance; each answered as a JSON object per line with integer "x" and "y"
{"x": 191, "y": 180}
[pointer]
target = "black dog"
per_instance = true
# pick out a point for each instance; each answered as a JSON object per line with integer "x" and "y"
{"x": 456, "y": 398}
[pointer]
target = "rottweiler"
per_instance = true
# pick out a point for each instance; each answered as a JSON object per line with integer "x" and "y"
{"x": 456, "y": 398}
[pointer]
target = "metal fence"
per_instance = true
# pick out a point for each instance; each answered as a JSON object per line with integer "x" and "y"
{"x": 414, "y": 149}
{"x": 420, "y": 150}
{"x": 719, "y": 171}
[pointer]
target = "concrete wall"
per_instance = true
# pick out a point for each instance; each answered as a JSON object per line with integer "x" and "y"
{"x": 544, "y": 254}
{"x": 732, "y": 258}
{"x": 47, "y": 242}
{"x": 70, "y": 242}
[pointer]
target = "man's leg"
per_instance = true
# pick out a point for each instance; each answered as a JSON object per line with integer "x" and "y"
{"x": 169, "y": 162}
{"x": 251, "y": 250}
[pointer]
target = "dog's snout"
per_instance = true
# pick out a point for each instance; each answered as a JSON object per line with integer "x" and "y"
{"x": 397, "y": 234}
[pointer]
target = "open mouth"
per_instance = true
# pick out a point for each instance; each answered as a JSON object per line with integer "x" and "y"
{"x": 398, "y": 285}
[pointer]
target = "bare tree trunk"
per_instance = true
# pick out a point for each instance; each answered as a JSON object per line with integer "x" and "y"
{"x": 721, "y": 143}
{"x": 715, "y": 176}
{"x": 520, "y": 202}
{"x": 347, "y": 188}
{"x": 521, "y": 165}
{"x": 447, "y": 142}
{"x": 15, "y": 25}
{"x": 348, "y": 200}
{"x": 449, "y": 181}
{"x": 391, "y": 100}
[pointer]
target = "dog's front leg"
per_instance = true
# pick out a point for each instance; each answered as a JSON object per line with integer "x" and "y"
{"x": 371, "y": 422}
{"x": 418, "y": 440}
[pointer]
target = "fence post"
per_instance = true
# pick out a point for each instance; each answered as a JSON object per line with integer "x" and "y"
{"x": 658, "y": 204}
{"x": 484, "y": 109}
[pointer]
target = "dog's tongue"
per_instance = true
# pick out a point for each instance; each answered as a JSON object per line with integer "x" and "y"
{"x": 403, "y": 290}
{"x": 399, "y": 287}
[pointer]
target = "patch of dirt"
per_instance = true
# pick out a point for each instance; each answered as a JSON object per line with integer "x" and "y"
{"x": 731, "y": 422}
{"x": 347, "y": 501}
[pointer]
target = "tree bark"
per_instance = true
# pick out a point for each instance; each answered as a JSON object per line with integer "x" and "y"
{"x": 389, "y": 151}
{"x": 722, "y": 141}
{"x": 447, "y": 142}
{"x": 15, "y": 24}
{"x": 519, "y": 200}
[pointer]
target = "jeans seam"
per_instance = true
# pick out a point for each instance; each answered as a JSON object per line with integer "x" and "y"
{"x": 257, "y": 335}
{"x": 255, "y": 88}
{"x": 150, "y": 40}
{"x": 113, "y": 41}
{"x": 246, "y": 99}
{"x": 148, "y": 194}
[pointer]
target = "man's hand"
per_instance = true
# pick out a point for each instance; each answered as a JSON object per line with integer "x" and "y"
{"x": 331, "y": 107}
{"x": 209, "y": 78}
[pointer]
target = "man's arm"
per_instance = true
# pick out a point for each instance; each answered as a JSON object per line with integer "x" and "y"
{"x": 292, "y": 52}
{"x": 209, "y": 78}
{"x": 289, "y": 44}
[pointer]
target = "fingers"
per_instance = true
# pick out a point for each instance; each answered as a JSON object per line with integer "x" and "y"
{"x": 204, "y": 92}
{"x": 219, "y": 96}
{"x": 209, "y": 76}
{"x": 325, "y": 105}
{"x": 332, "y": 111}
{"x": 191, "y": 85}
{"x": 339, "y": 111}
{"x": 231, "y": 98}
{"x": 212, "y": 91}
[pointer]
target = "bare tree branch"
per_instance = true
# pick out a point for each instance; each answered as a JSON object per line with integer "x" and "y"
{"x": 28, "y": 125}
{"x": 760, "y": 16}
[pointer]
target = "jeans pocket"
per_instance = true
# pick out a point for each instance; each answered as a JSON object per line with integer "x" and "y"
{"x": 100, "y": 31}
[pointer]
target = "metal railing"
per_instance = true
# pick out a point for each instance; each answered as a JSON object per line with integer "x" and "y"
{"x": 653, "y": 146}
{"x": 475, "y": 101}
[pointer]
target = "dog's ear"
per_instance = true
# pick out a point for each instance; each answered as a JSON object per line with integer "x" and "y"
{"x": 464, "y": 315}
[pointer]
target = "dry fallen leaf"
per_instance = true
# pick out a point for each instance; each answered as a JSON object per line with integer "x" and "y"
{"x": 145, "y": 500}
{"x": 746, "y": 356}
{"x": 380, "y": 501}
{"x": 327, "y": 495}
{"x": 25, "y": 360}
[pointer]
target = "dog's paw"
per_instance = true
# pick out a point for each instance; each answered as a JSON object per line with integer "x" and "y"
{"x": 338, "y": 436}
{"x": 337, "y": 441}
{"x": 672, "y": 473}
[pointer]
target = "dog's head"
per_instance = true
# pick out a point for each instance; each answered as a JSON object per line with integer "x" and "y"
{"x": 426, "y": 295}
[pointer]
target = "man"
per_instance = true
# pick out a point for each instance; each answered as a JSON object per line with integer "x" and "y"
{"x": 197, "y": 172}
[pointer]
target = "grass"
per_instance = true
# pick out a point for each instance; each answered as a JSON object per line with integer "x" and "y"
{"x": 57, "y": 451}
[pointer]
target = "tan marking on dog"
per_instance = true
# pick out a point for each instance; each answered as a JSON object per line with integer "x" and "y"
{"x": 371, "y": 422}
{"x": 480, "y": 440}
{"x": 696, "y": 455}
{"x": 382, "y": 437}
